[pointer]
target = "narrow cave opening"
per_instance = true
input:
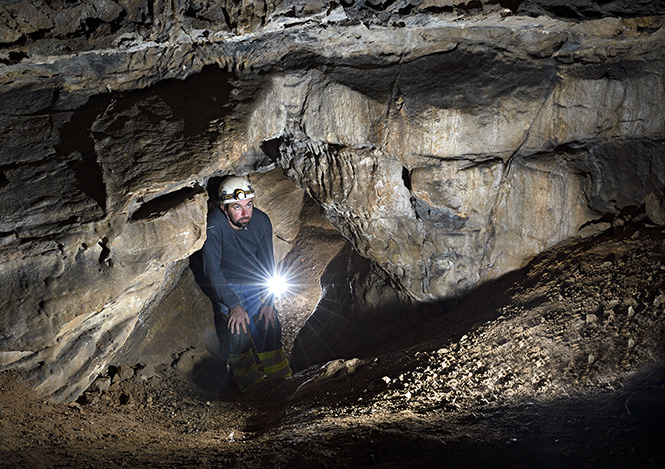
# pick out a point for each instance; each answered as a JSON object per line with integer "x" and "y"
{"x": 304, "y": 244}
{"x": 337, "y": 306}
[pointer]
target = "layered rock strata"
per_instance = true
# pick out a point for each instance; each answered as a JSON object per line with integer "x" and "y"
{"x": 448, "y": 144}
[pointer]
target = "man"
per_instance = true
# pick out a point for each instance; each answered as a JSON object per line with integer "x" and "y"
{"x": 237, "y": 260}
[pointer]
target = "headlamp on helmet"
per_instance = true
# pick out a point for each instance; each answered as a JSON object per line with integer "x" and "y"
{"x": 235, "y": 188}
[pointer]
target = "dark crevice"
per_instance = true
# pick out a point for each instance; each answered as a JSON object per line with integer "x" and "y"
{"x": 208, "y": 92}
{"x": 25, "y": 39}
{"x": 119, "y": 22}
{"x": 442, "y": 218}
{"x": 406, "y": 9}
{"x": 563, "y": 11}
{"x": 112, "y": 371}
{"x": 512, "y": 5}
{"x": 69, "y": 221}
{"x": 177, "y": 99}
{"x": 605, "y": 218}
{"x": 91, "y": 25}
{"x": 474, "y": 5}
{"x": 379, "y": 5}
{"x": 104, "y": 255}
{"x": 438, "y": 9}
{"x": 406, "y": 177}
{"x": 13, "y": 58}
{"x": 39, "y": 34}
{"x": 630, "y": 212}
{"x": 76, "y": 142}
{"x": 89, "y": 177}
{"x": 227, "y": 19}
{"x": 94, "y": 28}
{"x": 151, "y": 9}
{"x": 441, "y": 78}
{"x": 161, "y": 204}
{"x": 271, "y": 148}
{"x": 591, "y": 14}
{"x": 297, "y": 59}
{"x": 626, "y": 213}
{"x": 648, "y": 29}
{"x": 213, "y": 190}
{"x": 191, "y": 11}
{"x": 580, "y": 11}
{"x": 3, "y": 180}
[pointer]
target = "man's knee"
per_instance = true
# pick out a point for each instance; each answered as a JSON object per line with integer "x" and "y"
{"x": 240, "y": 342}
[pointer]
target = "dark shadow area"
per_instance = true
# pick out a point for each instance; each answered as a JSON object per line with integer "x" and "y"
{"x": 583, "y": 10}
{"x": 512, "y": 5}
{"x": 184, "y": 100}
{"x": 221, "y": 330}
{"x": 211, "y": 376}
{"x": 345, "y": 326}
{"x": 78, "y": 145}
{"x": 195, "y": 108}
{"x": 461, "y": 79}
{"x": 213, "y": 190}
{"x": 161, "y": 204}
{"x": 574, "y": 432}
{"x": 357, "y": 309}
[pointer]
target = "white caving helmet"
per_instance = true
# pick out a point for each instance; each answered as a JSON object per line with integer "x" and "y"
{"x": 235, "y": 188}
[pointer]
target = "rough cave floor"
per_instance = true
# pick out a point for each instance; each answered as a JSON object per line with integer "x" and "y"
{"x": 557, "y": 365}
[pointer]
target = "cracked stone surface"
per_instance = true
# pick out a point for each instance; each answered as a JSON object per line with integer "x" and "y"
{"x": 448, "y": 143}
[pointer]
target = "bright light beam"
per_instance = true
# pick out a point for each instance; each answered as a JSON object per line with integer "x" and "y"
{"x": 278, "y": 284}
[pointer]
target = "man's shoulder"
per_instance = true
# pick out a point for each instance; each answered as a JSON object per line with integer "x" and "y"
{"x": 261, "y": 217}
{"x": 215, "y": 218}
{"x": 260, "y": 214}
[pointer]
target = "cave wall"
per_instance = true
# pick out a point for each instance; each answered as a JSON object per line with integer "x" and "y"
{"x": 450, "y": 168}
{"x": 449, "y": 143}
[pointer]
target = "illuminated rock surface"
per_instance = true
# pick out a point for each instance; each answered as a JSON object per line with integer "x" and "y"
{"x": 448, "y": 144}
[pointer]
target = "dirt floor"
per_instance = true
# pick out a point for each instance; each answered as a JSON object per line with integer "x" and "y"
{"x": 560, "y": 364}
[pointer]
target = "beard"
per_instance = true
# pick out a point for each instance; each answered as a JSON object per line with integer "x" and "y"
{"x": 241, "y": 222}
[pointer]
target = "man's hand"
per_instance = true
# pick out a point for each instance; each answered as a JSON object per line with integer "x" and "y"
{"x": 268, "y": 314}
{"x": 238, "y": 319}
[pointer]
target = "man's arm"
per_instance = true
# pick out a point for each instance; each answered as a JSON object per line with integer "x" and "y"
{"x": 212, "y": 269}
{"x": 211, "y": 256}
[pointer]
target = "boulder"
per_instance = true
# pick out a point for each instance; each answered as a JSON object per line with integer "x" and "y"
{"x": 655, "y": 207}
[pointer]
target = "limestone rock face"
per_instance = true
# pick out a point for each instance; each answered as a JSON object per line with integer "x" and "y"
{"x": 448, "y": 141}
{"x": 75, "y": 298}
{"x": 457, "y": 166}
{"x": 283, "y": 202}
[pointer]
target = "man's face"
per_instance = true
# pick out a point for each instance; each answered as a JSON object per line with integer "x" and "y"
{"x": 239, "y": 213}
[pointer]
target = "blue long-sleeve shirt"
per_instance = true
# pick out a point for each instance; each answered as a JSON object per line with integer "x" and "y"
{"x": 237, "y": 256}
